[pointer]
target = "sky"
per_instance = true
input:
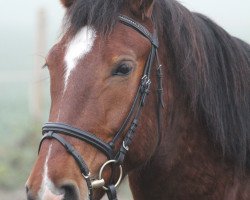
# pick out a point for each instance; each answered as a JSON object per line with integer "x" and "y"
{"x": 234, "y": 16}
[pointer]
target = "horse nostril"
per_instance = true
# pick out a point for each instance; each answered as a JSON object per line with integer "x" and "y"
{"x": 26, "y": 189}
{"x": 71, "y": 192}
{"x": 29, "y": 194}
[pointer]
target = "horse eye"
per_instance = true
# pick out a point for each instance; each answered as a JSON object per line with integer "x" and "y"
{"x": 122, "y": 70}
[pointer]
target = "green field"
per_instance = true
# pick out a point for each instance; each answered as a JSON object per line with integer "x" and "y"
{"x": 20, "y": 134}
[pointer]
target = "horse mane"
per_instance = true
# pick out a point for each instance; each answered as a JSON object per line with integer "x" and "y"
{"x": 211, "y": 69}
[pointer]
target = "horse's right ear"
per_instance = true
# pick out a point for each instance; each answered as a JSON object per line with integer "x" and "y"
{"x": 67, "y": 3}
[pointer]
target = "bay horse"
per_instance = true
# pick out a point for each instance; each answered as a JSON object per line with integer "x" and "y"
{"x": 148, "y": 89}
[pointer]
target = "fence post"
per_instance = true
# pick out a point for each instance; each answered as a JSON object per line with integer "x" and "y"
{"x": 37, "y": 102}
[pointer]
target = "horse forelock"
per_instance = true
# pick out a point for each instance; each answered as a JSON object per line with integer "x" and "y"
{"x": 102, "y": 15}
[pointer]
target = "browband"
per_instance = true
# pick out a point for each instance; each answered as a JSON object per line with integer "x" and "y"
{"x": 141, "y": 29}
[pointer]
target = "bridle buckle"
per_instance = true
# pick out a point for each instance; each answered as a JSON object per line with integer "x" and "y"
{"x": 125, "y": 146}
{"x": 86, "y": 176}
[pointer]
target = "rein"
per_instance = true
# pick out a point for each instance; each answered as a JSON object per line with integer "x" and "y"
{"x": 52, "y": 130}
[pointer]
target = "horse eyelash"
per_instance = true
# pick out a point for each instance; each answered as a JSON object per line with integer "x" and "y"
{"x": 45, "y": 65}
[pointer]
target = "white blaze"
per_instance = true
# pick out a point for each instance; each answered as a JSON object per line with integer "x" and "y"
{"x": 80, "y": 45}
{"x": 48, "y": 190}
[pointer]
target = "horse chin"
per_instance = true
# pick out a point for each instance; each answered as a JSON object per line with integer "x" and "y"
{"x": 98, "y": 194}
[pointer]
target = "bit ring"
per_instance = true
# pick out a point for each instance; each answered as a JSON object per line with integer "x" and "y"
{"x": 103, "y": 167}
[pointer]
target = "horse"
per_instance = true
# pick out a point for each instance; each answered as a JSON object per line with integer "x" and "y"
{"x": 147, "y": 89}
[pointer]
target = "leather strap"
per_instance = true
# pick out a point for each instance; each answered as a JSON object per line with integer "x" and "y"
{"x": 77, "y": 157}
{"x": 138, "y": 27}
{"x": 147, "y": 70}
{"x": 111, "y": 192}
{"x": 82, "y": 135}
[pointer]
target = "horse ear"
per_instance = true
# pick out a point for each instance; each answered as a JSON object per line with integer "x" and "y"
{"x": 147, "y": 7}
{"x": 143, "y": 8}
{"x": 67, "y": 3}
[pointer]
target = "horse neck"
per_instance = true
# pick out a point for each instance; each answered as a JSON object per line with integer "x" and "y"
{"x": 186, "y": 163}
{"x": 182, "y": 165}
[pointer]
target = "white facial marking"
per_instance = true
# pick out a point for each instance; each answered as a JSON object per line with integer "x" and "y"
{"x": 48, "y": 189}
{"x": 80, "y": 45}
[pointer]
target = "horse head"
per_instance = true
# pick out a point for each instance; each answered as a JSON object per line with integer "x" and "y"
{"x": 100, "y": 78}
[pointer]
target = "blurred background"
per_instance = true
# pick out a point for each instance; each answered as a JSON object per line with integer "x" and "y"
{"x": 27, "y": 31}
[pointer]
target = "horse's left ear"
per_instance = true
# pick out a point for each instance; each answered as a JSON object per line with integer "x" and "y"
{"x": 146, "y": 7}
{"x": 143, "y": 8}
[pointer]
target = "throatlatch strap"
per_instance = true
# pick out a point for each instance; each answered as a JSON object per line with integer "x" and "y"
{"x": 111, "y": 192}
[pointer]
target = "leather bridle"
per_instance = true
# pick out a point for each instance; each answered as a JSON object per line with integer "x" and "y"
{"x": 53, "y": 130}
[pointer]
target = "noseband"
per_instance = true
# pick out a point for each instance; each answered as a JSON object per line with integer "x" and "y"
{"x": 52, "y": 130}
